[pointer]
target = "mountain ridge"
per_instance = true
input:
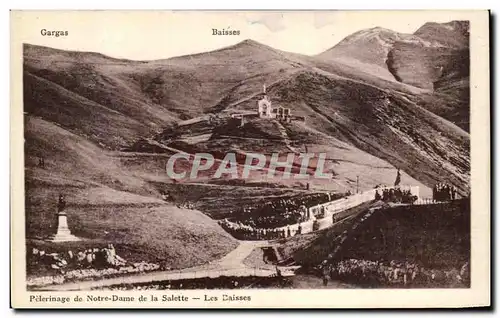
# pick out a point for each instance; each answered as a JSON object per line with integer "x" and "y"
{"x": 129, "y": 113}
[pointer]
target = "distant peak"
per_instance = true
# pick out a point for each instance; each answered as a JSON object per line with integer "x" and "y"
{"x": 244, "y": 46}
{"x": 454, "y": 33}
{"x": 377, "y": 28}
{"x": 452, "y": 25}
{"x": 250, "y": 42}
{"x": 371, "y": 33}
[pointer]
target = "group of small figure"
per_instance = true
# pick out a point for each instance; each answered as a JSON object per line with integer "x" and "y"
{"x": 444, "y": 192}
{"x": 245, "y": 232}
{"x": 282, "y": 212}
{"x": 393, "y": 273}
{"x": 395, "y": 195}
{"x": 248, "y": 225}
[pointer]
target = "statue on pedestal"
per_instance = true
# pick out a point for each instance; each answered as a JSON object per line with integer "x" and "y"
{"x": 63, "y": 233}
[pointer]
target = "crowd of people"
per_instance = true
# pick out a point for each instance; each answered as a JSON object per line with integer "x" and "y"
{"x": 395, "y": 195}
{"x": 244, "y": 232}
{"x": 90, "y": 263}
{"x": 263, "y": 222}
{"x": 319, "y": 212}
{"x": 388, "y": 273}
{"x": 210, "y": 283}
{"x": 395, "y": 274}
{"x": 444, "y": 192}
{"x": 282, "y": 212}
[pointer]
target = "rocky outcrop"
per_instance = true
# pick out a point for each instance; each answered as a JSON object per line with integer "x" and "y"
{"x": 90, "y": 263}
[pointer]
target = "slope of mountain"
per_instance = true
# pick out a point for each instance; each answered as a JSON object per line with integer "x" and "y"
{"x": 371, "y": 112}
{"x": 368, "y": 49}
{"x": 442, "y": 67}
{"x": 405, "y": 233}
{"x": 436, "y": 56}
{"x": 140, "y": 97}
{"x": 330, "y": 95}
{"x": 107, "y": 203}
{"x": 393, "y": 127}
{"x": 415, "y": 234}
{"x": 453, "y": 34}
{"x": 346, "y": 162}
{"x": 86, "y": 93}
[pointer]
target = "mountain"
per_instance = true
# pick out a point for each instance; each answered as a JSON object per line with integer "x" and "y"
{"x": 368, "y": 49}
{"x": 435, "y": 58}
{"x": 452, "y": 34}
{"x": 383, "y": 123}
{"x": 106, "y": 128}
{"x": 132, "y": 99}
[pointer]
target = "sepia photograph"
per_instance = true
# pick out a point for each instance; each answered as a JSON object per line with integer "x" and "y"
{"x": 245, "y": 151}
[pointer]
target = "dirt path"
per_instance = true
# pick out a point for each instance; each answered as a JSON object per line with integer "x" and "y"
{"x": 235, "y": 257}
{"x": 229, "y": 265}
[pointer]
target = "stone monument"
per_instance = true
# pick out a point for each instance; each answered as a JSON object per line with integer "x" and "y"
{"x": 63, "y": 233}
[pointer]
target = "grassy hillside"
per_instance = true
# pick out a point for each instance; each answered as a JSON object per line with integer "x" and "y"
{"x": 106, "y": 128}
{"x": 395, "y": 127}
{"x": 312, "y": 248}
{"x": 392, "y": 127}
{"x": 189, "y": 86}
{"x": 263, "y": 136}
{"x": 107, "y": 203}
{"x": 435, "y": 236}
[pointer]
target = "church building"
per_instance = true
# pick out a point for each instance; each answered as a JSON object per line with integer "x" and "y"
{"x": 265, "y": 106}
{"x": 266, "y": 110}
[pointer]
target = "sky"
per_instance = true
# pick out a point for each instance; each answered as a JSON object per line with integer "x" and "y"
{"x": 147, "y": 35}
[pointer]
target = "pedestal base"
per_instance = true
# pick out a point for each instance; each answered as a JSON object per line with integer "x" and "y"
{"x": 64, "y": 236}
{"x": 63, "y": 232}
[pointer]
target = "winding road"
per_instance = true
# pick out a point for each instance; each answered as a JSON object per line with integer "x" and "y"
{"x": 229, "y": 265}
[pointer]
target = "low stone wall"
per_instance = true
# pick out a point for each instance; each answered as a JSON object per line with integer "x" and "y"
{"x": 88, "y": 264}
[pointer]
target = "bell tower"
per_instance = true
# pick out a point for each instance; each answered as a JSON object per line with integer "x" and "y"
{"x": 264, "y": 105}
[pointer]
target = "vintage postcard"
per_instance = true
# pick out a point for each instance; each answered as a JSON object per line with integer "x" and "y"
{"x": 250, "y": 159}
